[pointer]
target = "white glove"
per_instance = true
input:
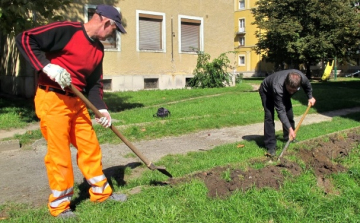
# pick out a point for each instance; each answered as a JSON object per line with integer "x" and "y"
{"x": 105, "y": 120}
{"x": 58, "y": 74}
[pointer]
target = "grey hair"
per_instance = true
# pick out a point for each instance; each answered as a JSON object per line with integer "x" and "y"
{"x": 293, "y": 80}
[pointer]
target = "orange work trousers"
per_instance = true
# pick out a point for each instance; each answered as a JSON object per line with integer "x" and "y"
{"x": 65, "y": 120}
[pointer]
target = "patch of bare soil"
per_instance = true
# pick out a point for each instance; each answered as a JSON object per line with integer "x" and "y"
{"x": 320, "y": 155}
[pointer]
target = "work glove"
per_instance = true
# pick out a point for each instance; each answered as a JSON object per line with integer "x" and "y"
{"x": 58, "y": 74}
{"x": 105, "y": 121}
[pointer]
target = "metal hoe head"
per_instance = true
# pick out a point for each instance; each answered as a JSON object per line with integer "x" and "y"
{"x": 162, "y": 169}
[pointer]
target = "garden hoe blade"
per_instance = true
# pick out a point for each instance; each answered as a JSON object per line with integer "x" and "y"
{"x": 296, "y": 129}
{"x": 149, "y": 164}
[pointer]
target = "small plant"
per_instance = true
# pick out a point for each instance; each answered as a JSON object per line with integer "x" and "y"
{"x": 226, "y": 175}
{"x": 211, "y": 74}
{"x": 238, "y": 78}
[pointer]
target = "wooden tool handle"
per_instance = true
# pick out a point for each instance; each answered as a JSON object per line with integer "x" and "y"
{"x": 296, "y": 129}
{"x": 302, "y": 118}
{"x": 98, "y": 114}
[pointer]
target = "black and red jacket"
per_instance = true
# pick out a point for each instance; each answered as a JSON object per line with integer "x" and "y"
{"x": 66, "y": 44}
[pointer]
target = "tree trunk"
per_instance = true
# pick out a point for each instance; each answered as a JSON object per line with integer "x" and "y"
{"x": 308, "y": 71}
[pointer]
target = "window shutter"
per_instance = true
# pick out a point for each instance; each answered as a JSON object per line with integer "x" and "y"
{"x": 149, "y": 34}
{"x": 190, "y": 33}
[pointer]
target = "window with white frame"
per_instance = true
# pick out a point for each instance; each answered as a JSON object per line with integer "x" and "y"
{"x": 242, "y": 25}
{"x": 241, "y": 61}
{"x": 190, "y": 34}
{"x": 150, "y": 31}
{"x": 241, "y": 4}
{"x": 241, "y": 40}
{"x": 112, "y": 43}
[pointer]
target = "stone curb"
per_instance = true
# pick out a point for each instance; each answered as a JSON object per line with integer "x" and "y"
{"x": 9, "y": 145}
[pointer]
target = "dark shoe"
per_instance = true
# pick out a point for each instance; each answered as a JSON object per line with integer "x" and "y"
{"x": 68, "y": 213}
{"x": 118, "y": 197}
{"x": 272, "y": 152}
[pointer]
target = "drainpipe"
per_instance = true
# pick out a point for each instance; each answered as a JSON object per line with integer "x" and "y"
{"x": 172, "y": 40}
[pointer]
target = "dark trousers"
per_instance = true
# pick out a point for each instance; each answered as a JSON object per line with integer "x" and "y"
{"x": 269, "y": 124}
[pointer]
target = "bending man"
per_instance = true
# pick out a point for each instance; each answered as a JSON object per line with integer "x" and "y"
{"x": 276, "y": 91}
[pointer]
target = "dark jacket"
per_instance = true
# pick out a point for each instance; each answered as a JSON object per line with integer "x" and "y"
{"x": 274, "y": 86}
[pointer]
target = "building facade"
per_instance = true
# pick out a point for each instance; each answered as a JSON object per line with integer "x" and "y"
{"x": 248, "y": 62}
{"x": 160, "y": 48}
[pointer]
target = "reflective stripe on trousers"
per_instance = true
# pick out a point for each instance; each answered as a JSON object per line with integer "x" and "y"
{"x": 99, "y": 185}
{"x": 65, "y": 120}
{"x": 61, "y": 196}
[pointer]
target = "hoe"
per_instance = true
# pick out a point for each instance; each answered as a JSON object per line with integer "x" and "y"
{"x": 149, "y": 164}
{"x": 296, "y": 129}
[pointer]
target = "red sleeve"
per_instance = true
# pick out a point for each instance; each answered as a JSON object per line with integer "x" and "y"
{"x": 34, "y": 43}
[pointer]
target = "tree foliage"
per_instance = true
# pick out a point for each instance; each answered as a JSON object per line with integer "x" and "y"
{"x": 305, "y": 31}
{"x": 19, "y": 15}
{"x": 211, "y": 74}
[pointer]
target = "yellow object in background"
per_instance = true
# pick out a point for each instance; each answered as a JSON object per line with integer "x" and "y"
{"x": 327, "y": 70}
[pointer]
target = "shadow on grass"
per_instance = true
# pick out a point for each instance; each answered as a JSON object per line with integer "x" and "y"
{"x": 258, "y": 139}
{"x": 117, "y": 103}
{"x": 254, "y": 78}
{"x": 24, "y": 108}
{"x": 332, "y": 95}
{"x": 114, "y": 175}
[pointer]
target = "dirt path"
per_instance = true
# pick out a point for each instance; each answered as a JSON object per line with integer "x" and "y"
{"x": 23, "y": 175}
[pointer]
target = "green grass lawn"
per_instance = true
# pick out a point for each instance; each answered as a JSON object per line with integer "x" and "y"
{"x": 191, "y": 110}
{"x": 298, "y": 200}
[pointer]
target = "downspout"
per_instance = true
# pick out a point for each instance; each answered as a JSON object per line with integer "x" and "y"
{"x": 172, "y": 40}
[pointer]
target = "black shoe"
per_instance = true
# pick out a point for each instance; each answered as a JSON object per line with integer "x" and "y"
{"x": 118, "y": 197}
{"x": 68, "y": 213}
{"x": 272, "y": 152}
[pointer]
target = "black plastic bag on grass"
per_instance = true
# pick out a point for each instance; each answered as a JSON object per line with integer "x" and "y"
{"x": 162, "y": 113}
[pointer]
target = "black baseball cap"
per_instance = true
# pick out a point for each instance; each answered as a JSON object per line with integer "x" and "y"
{"x": 112, "y": 13}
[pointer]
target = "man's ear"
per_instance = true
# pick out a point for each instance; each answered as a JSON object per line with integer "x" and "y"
{"x": 107, "y": 22}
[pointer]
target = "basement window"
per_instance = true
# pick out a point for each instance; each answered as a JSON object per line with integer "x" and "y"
{"x": 151, "y": 83}
{"x": 107, "y": 84}
{"x": 187, "y": 80}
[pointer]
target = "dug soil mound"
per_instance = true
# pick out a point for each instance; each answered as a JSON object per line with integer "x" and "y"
{"x": 322, "y": 156}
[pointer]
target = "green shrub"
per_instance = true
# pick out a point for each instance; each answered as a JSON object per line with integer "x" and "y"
{"x": 211, "y": 74}
{"x": 238, "y": 78}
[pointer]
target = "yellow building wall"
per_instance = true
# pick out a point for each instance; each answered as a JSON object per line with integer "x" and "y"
{"x": 252, "y": 64}
{"x": 171, "y": 66}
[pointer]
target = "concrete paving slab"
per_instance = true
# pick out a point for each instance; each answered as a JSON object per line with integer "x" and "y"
{"x": 9, "y": 145}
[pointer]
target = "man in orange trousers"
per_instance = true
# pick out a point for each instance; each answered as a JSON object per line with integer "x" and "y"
{"x": 65, "y": 53}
